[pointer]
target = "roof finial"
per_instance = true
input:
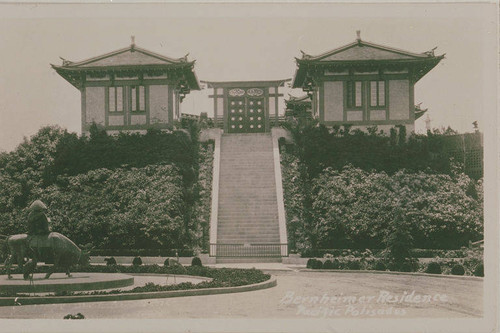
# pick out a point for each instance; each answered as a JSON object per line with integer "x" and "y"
{"x": 428, "y": 123}
{"x": 358, "y": 33}
{"x": 132, "y": 44}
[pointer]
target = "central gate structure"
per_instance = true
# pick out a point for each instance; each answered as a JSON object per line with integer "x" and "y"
{"x": 246, "y": 106}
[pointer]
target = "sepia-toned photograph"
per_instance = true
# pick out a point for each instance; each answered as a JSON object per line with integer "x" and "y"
{"x": 249, "y": 167}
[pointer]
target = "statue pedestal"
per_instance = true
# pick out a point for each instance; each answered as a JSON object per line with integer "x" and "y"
{"x": 59, "y": 282}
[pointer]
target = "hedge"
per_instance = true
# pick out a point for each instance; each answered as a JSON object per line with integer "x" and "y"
{"x": 121, "y": 192}
{"x": 142, "y": 252}
{"x": 221, "y": 277}
{"x": 415, "y": 253}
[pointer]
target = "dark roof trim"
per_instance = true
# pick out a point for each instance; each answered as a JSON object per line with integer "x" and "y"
{"x": 74, "y": 74}
{"x": 123, "y": 67}
{"x": 420, "y": 66}
{"x": 363, "y": 43}
{"x": 235, "y": 84}
{"x": 131, "y": 48}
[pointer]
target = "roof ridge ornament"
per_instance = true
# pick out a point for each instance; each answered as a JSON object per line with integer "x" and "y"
{"x": 132, "y": 43}
{"x": 65, "y": 62}
{"x": 431, "y": 52}
{"x": 358, "y": 36}
{"x": 305, "y": 55}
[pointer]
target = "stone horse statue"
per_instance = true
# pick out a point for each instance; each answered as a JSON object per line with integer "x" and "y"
{"x": 54, "y": 245}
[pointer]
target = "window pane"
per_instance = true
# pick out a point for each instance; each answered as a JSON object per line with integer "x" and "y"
{"x": 373, "y": 93}
{"x": 381, "y": 93}
{"x": 119, "y": 98}
{"x": 133, "y": 95}
{"x": 112, "y": 105}
{"x": 142, "y": 104}
{"x": 358, "y": 93}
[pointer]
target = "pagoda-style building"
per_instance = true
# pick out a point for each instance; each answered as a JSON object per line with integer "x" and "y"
{"x": 364, "y": 84}
{"x": 130, "y": 89}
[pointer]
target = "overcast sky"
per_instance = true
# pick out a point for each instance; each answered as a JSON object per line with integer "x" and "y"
{"x": 239, "y": 42}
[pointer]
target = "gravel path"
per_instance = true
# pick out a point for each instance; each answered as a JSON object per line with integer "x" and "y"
{"x": 298, "y": 295}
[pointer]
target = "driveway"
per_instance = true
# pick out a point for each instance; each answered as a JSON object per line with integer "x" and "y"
{"x": 298, "y": 295}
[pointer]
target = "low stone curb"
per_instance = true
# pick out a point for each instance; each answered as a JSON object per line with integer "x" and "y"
{"x": 11, "y": 301}
{"x": 462, "y": 277}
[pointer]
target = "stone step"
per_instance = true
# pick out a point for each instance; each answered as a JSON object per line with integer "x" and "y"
{"x": 235, "y": 228}
{"x": 247, "y": 217}
{"x": 227, "y": 223}
{"x": 248, "y": 209}
{"x": 261, "y": 236}
{"x": 248, "y": 240}
{"x": 229, "y": 260}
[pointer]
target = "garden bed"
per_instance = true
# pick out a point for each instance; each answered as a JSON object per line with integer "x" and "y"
{"x": 445, "y": 266}
{"x": 219, "y": 278}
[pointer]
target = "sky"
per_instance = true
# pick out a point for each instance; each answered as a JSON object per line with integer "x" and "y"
{"x": 238, "y": 42}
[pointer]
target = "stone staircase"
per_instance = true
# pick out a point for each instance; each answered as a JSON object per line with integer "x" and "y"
{"x": 247, "y": 227}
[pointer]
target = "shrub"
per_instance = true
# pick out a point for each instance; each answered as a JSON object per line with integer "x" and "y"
{"x": 77, "y": 316}
{"x": 328, "y": 264}
{"x": 335, "y": 264}
{"x": 110, "y": 261}
{"x": 317, "y": 264}
{"x": 367, "y": 202}
{"x": 196, "y": 262}
{"x": 310, "y": 263}
{"x": 479, "y": 271}
{"x": 354, "y": 265}
{"x": 137, "y": 261}
{"x": 433, "y": 268}
{"x": 166, "y": 263}
{"x": 458, "y": 270}
{"x": 398, "y": 239}
{"x": 405, "y": 267}
{"x": 380, "y": 266}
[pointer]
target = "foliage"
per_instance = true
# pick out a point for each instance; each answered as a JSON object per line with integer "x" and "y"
{"x": 196, "y": 262}
{"x": 77, "y": 316}
{"x": 317, "y": 264}
{"x": 105, "y": 190}
{"x": 319, "y": 147}
{"x": 433, "y": 268}
{"x": 137, "y": 261}
{"x": 379, "y": 266}
{"x": 310, "y": 263}
{"x": 398, "y": 239}
{"x": 342, "y": 187}
{"x": 75, "y": 155}
{"x": 158, "y": 252}
{"x": 110, "y": 261}
{"x": 354, "y": 209}
{"x": 220, "y": 277}
{"x": 202, "y": 206}
{"x": 295, "y": 198}
{"x": 136, "y": 208}
{"x": 479, "y": 270}
{"x": 328, "y": 264}
{"x": 458, "y": 270}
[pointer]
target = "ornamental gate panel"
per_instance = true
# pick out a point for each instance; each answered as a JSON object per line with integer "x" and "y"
{"x": 246, "y": 115}
{"x": 247, "y": 106}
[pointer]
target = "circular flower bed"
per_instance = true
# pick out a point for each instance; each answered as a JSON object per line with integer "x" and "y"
{"x": 220, "y": 277}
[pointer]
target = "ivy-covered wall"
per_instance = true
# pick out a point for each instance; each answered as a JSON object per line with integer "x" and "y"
{"x": 352, "y": 190}
{"x": 128, "y": 191}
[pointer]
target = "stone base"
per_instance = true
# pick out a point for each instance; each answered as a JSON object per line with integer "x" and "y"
{"x": 59, "y": 282}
